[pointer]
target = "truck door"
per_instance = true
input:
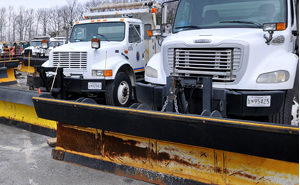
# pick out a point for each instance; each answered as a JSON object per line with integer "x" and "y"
{"x": 136, "y": 48}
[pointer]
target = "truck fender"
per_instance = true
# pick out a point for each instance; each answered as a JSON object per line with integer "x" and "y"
{"x": 156, "y": 63}
{"x": 115, "y": 64}
{"x": 282, "y": 61}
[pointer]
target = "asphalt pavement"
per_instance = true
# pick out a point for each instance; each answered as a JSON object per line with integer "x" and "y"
{"x": 25, "y": 159}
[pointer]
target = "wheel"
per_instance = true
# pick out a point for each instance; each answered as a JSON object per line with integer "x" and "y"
{"x": 289, "y": 112}
{"x": 295, "y": 112}
{"x": 119, "y": 91}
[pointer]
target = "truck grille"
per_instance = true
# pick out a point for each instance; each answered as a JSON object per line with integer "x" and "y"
{"x": 219, "y": 63}
{"x": 70, "y": 60}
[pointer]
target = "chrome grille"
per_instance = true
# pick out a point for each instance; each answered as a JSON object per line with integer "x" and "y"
{"x": 70, "y": 60}
{"x": 219, "y": 63}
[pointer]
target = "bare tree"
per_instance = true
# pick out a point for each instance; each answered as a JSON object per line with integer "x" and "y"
{"x": 2, "y": 22}
{"x": 92, "y": 3}
{"x": 56, "y": 21}
{"x": 38, "y": 16}
{"x": 11, "y": 16}
{"x": 29, "y": 23}
{"x": 45, "y": 20}
{"x": 20, "y": 22}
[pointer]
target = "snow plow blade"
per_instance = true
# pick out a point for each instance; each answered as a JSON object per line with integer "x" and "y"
{"x": 170, "y": 148}
{"x": 16, "y": 109}
{"x": 7, "y": 72}
{"x": 27, "y": 63}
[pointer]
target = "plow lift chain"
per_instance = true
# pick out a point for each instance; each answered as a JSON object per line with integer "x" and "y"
{"x": 176, "y": 90}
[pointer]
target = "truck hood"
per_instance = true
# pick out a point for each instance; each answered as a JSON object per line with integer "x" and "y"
{"x": 32, "y": 47}
{"x": 214, "y": 36}
{"x": 86, "y": 46}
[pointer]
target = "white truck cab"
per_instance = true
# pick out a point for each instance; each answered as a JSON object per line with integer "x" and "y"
{"x": 35, "y": 49}
{"x": 107, "y": 52}
{"x": 55, "y": 42}
{"x": 248, "y": 50}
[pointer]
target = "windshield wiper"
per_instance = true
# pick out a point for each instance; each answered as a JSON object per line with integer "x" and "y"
{"x": 190, "y": 26}
{"x": 244, "y": 22}
{"x": 103, "y": 37}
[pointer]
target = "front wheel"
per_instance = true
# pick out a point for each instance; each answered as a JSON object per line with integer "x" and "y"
{"x": 289, "y": 112}
{"x": 119, "y": 91}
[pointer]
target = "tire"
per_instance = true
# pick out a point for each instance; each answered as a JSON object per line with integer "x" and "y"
{"x": 119, "y": 91}
{"x": 289, "y": 112}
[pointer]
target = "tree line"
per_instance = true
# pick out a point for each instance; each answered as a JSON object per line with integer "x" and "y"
{"x": 24, "y": 24}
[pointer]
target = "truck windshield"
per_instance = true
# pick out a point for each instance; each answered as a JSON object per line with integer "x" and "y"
{"x": 202, "y": 14}
{"x": 105, "y": 31}
{"x": 36, "y": 43}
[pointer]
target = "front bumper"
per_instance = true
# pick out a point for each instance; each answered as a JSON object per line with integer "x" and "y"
{"x": 229, "y": 103}
{"x": 80, "y": 85}
{"x": 74, "y": 85}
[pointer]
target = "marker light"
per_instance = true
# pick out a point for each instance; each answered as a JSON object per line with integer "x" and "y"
{"x": 154, "y": 10}
{"x": 149, "y": 32}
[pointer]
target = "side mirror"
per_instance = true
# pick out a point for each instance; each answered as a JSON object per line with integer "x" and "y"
{"x": 96, "y": 43}
{"x": 44, "y": 44}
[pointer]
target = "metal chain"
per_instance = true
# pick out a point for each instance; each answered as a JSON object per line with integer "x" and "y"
{"x": 165, "y": 104}
{"x": 175, "y": 104}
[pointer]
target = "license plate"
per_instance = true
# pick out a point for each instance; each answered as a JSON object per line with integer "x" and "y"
{"x": 258, "y": 101}
{"x": 94, "y": 85}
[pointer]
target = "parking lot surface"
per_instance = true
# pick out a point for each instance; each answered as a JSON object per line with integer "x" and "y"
{"x": 25, "y": 159}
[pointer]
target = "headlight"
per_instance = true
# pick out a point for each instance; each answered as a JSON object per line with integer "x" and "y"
{"x": 273, "y": 77}
{"x": 151, "y": 72}
{"x": 102, "y": 72}
{"x": 97, "y": 72}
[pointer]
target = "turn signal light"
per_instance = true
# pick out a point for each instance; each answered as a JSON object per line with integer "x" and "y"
{"x": 280, "y": 26}
{"x": 107, "y": 73}
{"x": 154, "y": 10}
{"x": 149, "y": 32}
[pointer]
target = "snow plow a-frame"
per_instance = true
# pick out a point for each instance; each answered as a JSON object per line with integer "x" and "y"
{"x": 170, "y": 148}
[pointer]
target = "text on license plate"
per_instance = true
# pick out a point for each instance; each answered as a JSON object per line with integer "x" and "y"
{"x": 94, "y": 85}
{"x": 258, "y": 101}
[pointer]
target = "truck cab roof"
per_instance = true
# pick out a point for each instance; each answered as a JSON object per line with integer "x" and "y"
{"x": 109, "y": 20}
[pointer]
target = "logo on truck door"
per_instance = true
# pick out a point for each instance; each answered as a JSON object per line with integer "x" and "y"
{"x": 137, "y": 56}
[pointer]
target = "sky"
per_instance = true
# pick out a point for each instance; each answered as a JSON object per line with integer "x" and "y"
{"x": 35, "y": 4}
